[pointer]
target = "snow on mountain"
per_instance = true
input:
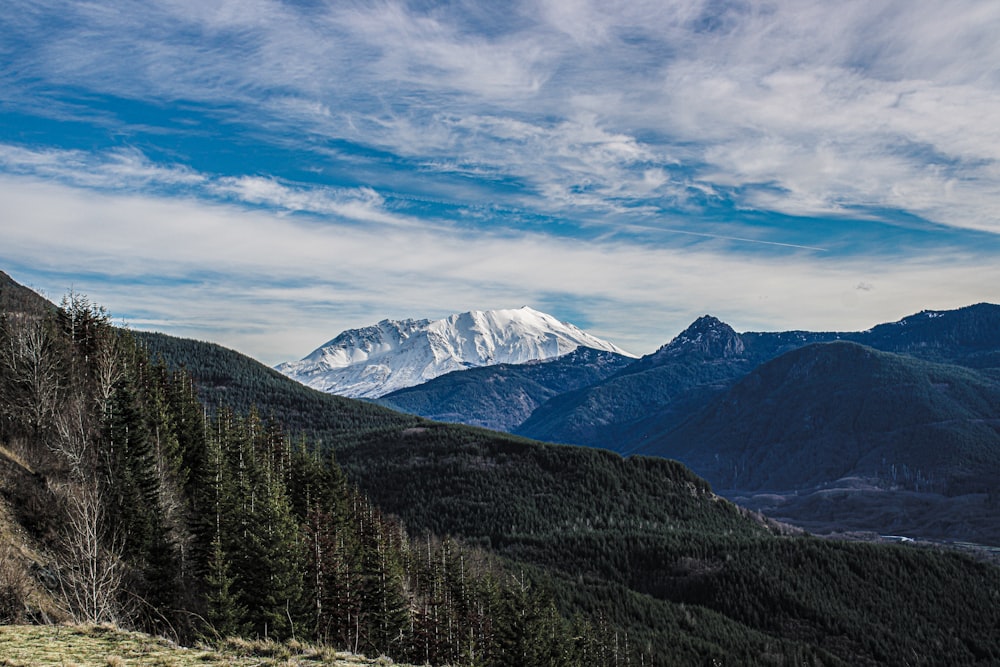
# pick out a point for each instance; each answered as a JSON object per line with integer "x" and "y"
{"x": 375, "y": 360}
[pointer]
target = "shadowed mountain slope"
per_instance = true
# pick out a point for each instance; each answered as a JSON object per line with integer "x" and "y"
{"x": 660, "y": 390}
{"x": 501, "y": 397}
{"x": 834, "y": 410}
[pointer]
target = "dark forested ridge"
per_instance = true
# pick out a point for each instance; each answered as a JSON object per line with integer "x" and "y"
{"x": 16, "y": 298}
{"x": 839, "y": 436}
{"x": 557, "y": 554}
{"x": 833, "y": 410}
{"x": 501, "y": 397}
{"x": 650, "y": 397}
{"x": 641, "y": 545}
{"x": 224, "y": 377}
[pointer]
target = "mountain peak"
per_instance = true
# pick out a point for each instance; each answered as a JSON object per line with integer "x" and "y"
{"x": 707, "y": 336}
{"x": 391, "y": 355}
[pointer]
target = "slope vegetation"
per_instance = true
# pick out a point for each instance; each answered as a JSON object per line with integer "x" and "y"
{"x": 900, "y": 444}
{"x": 644, "y": 545}
{"x": 659, "y": 391}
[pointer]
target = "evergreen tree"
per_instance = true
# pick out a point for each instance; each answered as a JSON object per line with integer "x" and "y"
{"x": 273, "y": 589}
{"x": 387, "y": 609}
{"x": 129, "y": 472}
{"x": 223, "y": 611}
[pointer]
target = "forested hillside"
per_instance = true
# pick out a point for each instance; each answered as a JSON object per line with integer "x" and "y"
{"x": 461, "y": 546}
{"x": 674, "y": 574}
{"x": 834, "y": 410}
{"x": 142, "y": 512}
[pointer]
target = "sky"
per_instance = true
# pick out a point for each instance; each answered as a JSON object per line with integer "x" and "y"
{"x": 264, "y": 174}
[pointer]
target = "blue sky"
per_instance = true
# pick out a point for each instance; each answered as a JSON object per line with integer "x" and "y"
{"x": 265, "y": 174}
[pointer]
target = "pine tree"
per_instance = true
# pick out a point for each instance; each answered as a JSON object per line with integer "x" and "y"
{"x": 273, "y": 584}
{"x": 129, "y": 473}
{"x": 222, "y": 609}
{"x": 383, "y": 575}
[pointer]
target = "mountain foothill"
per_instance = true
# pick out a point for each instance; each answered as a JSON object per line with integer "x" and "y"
{"x": 231, "y": 500}
{"x": 893, "y": 430}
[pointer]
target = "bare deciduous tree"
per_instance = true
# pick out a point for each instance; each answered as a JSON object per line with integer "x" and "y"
{"x": 30, "y": 362}
{"x": 90, "y": 569}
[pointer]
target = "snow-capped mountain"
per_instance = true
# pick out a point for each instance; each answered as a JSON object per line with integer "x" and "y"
{"x": 373, "y": 361}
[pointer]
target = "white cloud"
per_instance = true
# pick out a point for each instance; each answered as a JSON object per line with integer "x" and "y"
{"x": 131, "y": 170}
{"x": 275, "y": 287}
{"x": 117, "y": 169}
{"x": 362, "y": 204}
{"x": 630, "y": 115}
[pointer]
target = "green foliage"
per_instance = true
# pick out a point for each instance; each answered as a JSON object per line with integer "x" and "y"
{"x": 217, "y": 526}
{"x": 593, "y": 559}
{"x": 223, "y": 612}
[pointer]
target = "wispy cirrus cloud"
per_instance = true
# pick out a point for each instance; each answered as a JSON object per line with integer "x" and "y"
{"x": 131, "y": 170}
{"x": 116, "y": 169}
{"x": 739, "y": 94}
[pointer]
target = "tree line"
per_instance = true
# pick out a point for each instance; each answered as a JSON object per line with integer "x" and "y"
{"x": 162, "y": 517}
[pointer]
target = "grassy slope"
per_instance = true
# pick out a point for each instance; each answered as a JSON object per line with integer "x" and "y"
{"x": 100, "y": 646}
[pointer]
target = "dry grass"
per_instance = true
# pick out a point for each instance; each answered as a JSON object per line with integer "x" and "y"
{"x": 103, "y": 646}
{"x": 15, "y": 458}
{"x": 24, "y": 598}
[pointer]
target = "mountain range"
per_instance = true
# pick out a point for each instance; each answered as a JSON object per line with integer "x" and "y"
{"x": 798, "y": 424}
{"x": 648, "y": 398}
{"x": 892, "y": 429}
{"x": 395, "y": 354}
{"x": 637, "y": 550}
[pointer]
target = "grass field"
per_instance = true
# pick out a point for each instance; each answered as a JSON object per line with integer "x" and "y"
{"x": 102, "y": 646}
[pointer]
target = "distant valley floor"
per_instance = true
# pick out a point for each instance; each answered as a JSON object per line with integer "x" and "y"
{"x": 852, "y": 505}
